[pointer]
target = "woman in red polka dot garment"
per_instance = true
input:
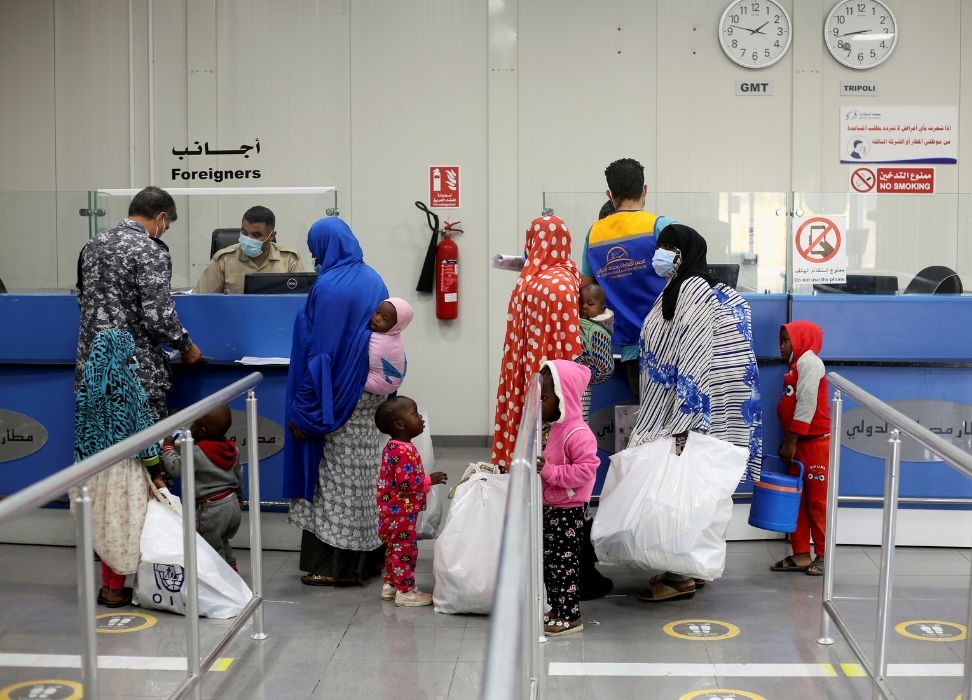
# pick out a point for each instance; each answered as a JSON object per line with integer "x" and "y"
{"x": 542, "y": 323}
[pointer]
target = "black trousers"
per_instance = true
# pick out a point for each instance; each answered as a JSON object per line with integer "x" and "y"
{"x": 562, "y": 530}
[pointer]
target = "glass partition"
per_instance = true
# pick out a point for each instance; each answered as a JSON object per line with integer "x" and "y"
{"x": 894, "y": 244}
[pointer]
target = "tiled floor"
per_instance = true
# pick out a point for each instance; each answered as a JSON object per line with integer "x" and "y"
{"x": 336, "y": 643}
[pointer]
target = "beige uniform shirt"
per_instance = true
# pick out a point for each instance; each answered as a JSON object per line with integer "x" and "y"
{"x": 226, "y": 270}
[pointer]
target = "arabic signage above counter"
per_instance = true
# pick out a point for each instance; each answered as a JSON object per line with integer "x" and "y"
{"x": 863, "y": 432}
{"x": 898, "y": 135}
{"x": 20, "y": 435}
{"x": 214, "y": 174}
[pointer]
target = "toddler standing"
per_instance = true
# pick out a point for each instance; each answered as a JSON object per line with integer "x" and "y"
{"x": 402, "y": 488}
{"x": 219, "y": 479}
{"x": 567, "y": 469}
{"x": 804, "y": 414}
{"x": 386, "y": 351}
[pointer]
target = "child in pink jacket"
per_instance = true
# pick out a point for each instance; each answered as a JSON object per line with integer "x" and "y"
{"x": 567, "y": 470}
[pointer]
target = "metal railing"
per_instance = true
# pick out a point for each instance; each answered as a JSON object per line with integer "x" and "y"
{"x": 79, "y": 474}
{"x": 959, "y": 460}
{"x": 516, "y": 623}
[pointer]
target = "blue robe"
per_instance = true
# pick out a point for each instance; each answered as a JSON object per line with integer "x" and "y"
{"x": 329, "y": 352}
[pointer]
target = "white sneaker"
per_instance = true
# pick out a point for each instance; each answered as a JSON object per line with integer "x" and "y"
{"x": 413, "y": 598}
{"x": 387, "y": 592}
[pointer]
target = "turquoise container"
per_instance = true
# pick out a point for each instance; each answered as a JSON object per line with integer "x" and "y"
{"x": 776, "y": 498}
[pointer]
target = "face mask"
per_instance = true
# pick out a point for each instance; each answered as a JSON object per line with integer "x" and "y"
{"x": 663, "y": 262}
{"x": 251, "y": 248}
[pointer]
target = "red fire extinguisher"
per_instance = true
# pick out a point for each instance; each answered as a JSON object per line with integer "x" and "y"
{"x": 447, "y": 274}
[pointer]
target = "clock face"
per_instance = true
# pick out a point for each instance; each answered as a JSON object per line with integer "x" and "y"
{"x": 861, "y": 33}
{"x": 754, "y": 33}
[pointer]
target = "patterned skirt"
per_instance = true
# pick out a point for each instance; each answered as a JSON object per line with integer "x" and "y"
{"x": 343, "y": 515}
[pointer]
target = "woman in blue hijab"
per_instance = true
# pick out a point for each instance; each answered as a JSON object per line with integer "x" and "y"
{"x": 331, "y": 462}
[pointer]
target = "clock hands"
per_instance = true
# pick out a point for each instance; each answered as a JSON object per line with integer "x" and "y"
{"x": 859, "y": 31}
{"x": 751, "y": 31}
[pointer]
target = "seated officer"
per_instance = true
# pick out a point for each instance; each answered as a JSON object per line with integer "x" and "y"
{"x": 256, "y": 252}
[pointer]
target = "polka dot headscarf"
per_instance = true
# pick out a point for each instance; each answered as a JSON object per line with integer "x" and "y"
{"x": 542, "y": 324}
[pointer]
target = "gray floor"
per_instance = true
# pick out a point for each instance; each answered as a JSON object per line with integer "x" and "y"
{"x": 334, "y": 643}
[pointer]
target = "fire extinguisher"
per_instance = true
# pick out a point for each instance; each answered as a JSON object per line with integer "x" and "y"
{"x": 447, "y": 274}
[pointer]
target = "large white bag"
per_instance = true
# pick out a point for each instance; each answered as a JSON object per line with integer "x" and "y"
{"x": 659, "y": 510}
{"x": 468, "y": 548}
{"x": 160, "y": 578}
{"x": 431, "y": 520}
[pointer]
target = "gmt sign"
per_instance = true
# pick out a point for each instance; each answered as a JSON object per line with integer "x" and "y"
{"x": 749, "y": 88}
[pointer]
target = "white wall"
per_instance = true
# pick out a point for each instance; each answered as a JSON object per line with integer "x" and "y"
{"x": 526, "y": 95}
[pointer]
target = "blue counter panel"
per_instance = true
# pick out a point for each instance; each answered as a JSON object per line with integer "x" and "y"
{"x": 907, "y": 328}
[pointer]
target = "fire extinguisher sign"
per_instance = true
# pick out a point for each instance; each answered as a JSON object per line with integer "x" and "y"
{"x": 443, "y": 187}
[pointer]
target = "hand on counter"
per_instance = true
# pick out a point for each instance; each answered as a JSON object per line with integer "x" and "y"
{"x": 192, "y": 355}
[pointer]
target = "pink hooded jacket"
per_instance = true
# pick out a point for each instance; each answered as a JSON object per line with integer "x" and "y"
{"x": 386, "y": 353}
{"x": 571, "y": 451}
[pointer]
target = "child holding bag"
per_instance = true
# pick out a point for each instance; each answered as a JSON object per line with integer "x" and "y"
{"x": 567, "y": 469}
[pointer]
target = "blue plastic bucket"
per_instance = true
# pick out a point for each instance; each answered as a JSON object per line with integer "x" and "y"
{"x": 776, "y": 499}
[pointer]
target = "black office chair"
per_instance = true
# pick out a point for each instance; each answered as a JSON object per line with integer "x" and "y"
{"x": 936, "y": 279}
{"x": 862, "y": 284}
{"x": 727, "y": 273}
{"x": 223, "y": 237}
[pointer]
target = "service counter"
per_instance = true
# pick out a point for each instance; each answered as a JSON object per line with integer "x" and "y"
{"x": 913, "y": 351}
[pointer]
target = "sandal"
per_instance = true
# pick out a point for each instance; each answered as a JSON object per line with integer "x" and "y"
{"x": 555, "y": 627}
{"x": 660, "y": 591}
{"x": 317, "y": 580}
{"x": 816, "y": 567}
{"x": 788, "y": 564}
{"x": 125, "y": 600}
{"x": 662, "y": 578}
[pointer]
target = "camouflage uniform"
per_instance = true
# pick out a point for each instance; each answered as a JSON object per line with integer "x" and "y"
{"x": 229, "y": 266}
{"x": 124, "y": 279}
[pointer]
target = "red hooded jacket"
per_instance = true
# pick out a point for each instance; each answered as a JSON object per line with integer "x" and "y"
{"x": 804, "y": 407}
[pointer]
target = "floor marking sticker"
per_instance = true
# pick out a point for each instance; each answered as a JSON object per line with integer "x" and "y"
{"x": 721, "y": 694}
{"x": 118, "y": 623}
{"x": 705, "y": 630}
{"x": 932, "y": 630}
{"x": 47, "y": 689}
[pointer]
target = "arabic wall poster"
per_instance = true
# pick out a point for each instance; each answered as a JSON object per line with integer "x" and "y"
{"x": 819, "y": 249}
{"x": 892, "y": 179}
{"x": 898, "y": 135}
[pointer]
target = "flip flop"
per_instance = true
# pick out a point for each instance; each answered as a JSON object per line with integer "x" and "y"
{"x": 659, "y": 592}
{"x": 788, "y": 564}
{"x": 317, "y": 580}
{"x": 660, "y": 578}
{"x": 125, "y": 601}
{"x": 816, "y": 567}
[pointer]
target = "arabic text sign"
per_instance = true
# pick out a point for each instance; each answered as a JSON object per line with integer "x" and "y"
{"x": 20, "y": 435}
{"x": 905, "y": 179}
{"x": 270, "y": 435}
{"x": 184, "y": 170}
{"x": 819, "y": 250}
{"x": 865, "y": 433}
{"x": 898, "y": 135}
{"x": 444, "y": 187}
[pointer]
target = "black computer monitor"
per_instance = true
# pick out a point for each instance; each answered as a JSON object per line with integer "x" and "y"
{"x": 278, "y": 282}
{"x": 727, "y": 273}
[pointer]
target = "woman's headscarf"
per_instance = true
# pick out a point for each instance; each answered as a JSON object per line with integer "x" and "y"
{"x": 693, "y": 248}
{"x": 542, "y": 324}
{"x": 329, "y": 352}
{"x": 110, "y": 403}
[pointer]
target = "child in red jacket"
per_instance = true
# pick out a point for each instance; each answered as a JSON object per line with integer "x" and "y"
{"x": 804, "y": 413}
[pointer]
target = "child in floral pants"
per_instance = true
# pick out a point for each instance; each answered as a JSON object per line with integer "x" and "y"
{"x": 402, "y": 488}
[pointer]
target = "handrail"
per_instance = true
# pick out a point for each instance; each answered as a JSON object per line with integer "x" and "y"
{"x": 56, "y": 484}
{"x": 515, "y": 630}
{"x": 79, "y": 474}
{"x": 877, "y": 671}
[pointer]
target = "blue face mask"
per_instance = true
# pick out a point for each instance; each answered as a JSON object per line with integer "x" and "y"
{"x": 251, "y": 247}
{"x": 663, "y": 262}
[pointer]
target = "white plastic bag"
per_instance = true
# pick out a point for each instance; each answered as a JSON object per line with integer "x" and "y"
{"x": 160, "y": 578}
{"x": 431, "y": 519}
{"x": 468, "y": 547}
{"x": 659, "y": 510}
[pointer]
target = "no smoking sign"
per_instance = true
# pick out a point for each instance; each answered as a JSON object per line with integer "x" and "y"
{"x": 819, "y": 250}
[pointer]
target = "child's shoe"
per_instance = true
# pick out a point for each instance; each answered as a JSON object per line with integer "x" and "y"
{"x": 555, "y": 627}
{"x": 413, "y": 598}
{"x": 387, "y": 592}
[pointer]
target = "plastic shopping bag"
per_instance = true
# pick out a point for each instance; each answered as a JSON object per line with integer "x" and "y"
{"x": 160, "y": 578}
{"x": 468, "y": 548}
{"x": 431, "y": 519}
{"x": 659, "y": 510}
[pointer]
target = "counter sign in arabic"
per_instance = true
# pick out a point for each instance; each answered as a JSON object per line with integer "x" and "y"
{"x": 215, "y": 174}
{"x": 819, "y": 251}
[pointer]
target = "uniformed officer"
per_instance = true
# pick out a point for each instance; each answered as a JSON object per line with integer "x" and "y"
{"x": 257, "y": 251}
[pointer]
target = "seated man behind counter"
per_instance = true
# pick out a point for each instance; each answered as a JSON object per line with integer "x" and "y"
{"x": 257, "y": 251}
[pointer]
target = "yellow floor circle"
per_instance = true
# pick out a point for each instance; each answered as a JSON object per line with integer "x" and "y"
{"x": 701, "y": 630}
{"x": 932, "y": 630}
{"x": 722, "y": 694}
{"x": 48, "y": 689}
{"x": 119, "y": 623}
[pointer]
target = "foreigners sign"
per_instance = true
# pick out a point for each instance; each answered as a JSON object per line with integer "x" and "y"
{"x": 819, "y": 250}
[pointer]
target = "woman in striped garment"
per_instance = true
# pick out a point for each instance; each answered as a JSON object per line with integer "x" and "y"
{"x": 698, "y": 369}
